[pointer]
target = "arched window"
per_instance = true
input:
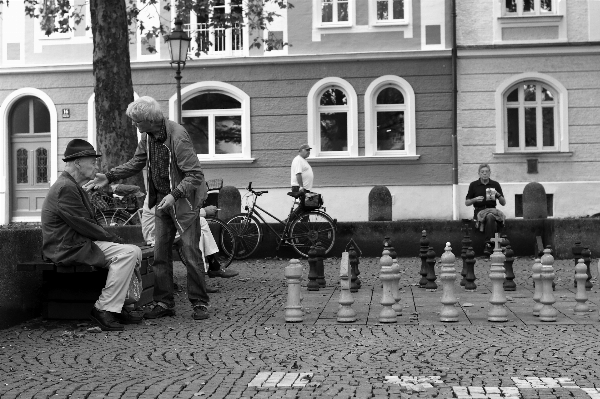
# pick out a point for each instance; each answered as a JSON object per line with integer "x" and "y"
{"x": 389, "y": 118}
{"x": 29, "y": 115}
{"x": 532, "y": 115}
{"x": 332, "y": 124}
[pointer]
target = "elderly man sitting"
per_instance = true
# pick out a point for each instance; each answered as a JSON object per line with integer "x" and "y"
{"x": 71, "y": 236}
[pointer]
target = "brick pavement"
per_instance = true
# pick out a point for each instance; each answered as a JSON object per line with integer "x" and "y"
{"x": 245, "y": 336}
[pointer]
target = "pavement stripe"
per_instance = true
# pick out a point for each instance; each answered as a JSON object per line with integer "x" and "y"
{"x": 259, "y": 379}
{"x": 594, "y": 393}
{"x": 288, "y": 380}
{"x": 273, "y": 379}
{"x": 279, "y": 379}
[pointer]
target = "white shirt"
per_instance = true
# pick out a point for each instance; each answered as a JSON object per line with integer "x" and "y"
{"x": 299, "y": 165}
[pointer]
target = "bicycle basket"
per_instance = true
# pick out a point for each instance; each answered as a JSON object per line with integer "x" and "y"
{"x": 312, "y": 201}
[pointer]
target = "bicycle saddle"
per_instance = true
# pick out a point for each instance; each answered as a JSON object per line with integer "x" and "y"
{"x": 296, "y": 194}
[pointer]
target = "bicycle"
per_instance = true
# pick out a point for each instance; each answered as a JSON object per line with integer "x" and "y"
{"x": 302, "y": 229}
{"x": 117, "y": 210}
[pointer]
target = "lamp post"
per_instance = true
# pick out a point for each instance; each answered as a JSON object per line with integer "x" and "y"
{"x": 179, "y": 43}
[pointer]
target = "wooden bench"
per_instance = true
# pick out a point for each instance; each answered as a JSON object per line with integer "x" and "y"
{"x": 69, "y": 292}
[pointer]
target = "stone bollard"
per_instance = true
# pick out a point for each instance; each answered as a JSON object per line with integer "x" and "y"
{"x": 320, "y": 255}
{"x": 581, "y": 308}
{"x": 576, "y": 250}
{"x": 449, "y": 313}
{"x": 466, "y": 243}
{"x": 423, "y": 255}
{"x": 586, "y": 254}
{"x": 431, "y": 285}
{"x": 547, "y": 312}
{"x": 380, "y": 204}
{"x": 497, "y": 311}
{"x": 387, "y": 244}
{"x": 535, "y": 205}
{"x": 354, "y": 261}
{"x": 293, "y": 275}
{"x": 509, "y": 284}
{"x": 537, "y": 284}
{"x": 345, "y": 313}
{"x": 387, "y": 314}
{"x": 470, "y": 284}
{"x": 230, "y": 202}
{"x": 313, "y": 284}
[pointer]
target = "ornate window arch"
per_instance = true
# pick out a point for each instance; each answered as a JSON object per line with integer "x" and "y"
{"x": 333, "y": 118}
{"x": 390, "y": 117}
{"x": 532, "y": 115}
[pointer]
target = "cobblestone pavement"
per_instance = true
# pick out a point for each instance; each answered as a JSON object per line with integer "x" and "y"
{"x": 246, "y": 350}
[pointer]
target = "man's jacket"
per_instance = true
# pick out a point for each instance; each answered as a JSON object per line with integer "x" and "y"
{"x": 185, "y": 173}
{"x": 69, "y": 228}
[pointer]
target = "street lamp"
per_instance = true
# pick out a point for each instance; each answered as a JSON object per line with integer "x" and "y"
{"x": 179, "y": 43}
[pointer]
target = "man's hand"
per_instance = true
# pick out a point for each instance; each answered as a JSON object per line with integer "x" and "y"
{"x": 100, "y": 181}
{"x": 210, "y": 210}
{"x": 166, "y": 202}
{"x": 481, "y": 198}
{"x": 302, "y": 189}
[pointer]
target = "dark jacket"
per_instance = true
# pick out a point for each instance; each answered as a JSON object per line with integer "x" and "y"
{"x": 69, "y": 227}
{"x": 185, "y": 173}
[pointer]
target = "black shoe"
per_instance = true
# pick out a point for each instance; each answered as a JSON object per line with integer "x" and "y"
{"x": 223, "y": 273}
{"x": 213, "y": 262}
{"x": 200, "y": 313}
{"x": 126, "y": 317}
{"x": 212, "y": 290}
{"x": 105, "y": 320}
{"x": 158, "y": 312}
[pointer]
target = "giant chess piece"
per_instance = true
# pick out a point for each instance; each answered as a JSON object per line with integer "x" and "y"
{"x": 497, "y": 311}
{"x": 449, "y": 313}
{"x": 345, "y": 313}
{"x": 387, "y": 244}
{"x": 353, "y": 259}
{"x": 431, "y": 285}
{"x": 576, "y": 250}
{"x": 466, "y": 243}
{"x": 313, "y": 284}
{"x": 537, "y": 284}
{"x": 470, "y": 277}
{"x": 547, "y": 312}
{"x": 586, "y": 254}
{"x": 509, "y": 284}
{"x": 387, "y": 314}
{"x": 581, "y": 308}
{"x": 320, "y": 264}
{"x": 423, "y": 254}
{"x": 293, "y": 275}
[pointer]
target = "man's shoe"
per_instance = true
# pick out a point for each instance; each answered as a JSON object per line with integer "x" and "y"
{"x": 105, "y": 320}
{"x": 126, "y": 317}
{"x": 212, "y": 290}
{"x": 223, "y": 273}
{"x": 200, "y": 313}
{"x": 158, "y": 312}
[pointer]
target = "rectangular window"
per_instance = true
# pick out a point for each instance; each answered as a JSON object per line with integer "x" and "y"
{"x": 334, "y": 131}
{"x": 197, "y": 128}
{"x": 530, "y": 125}
{"x": 390, "y": 131}
{"x": 335, "y": 11}
{"x": 512, "y": 120}
{"x": 389, "y": 10}
{"x": 529, "y": 7}
{"x": 228, "y": 134}
{"x": 548, "y": 127}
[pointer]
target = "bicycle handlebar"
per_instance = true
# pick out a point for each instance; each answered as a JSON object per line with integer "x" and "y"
{"x": 249, "y": 188}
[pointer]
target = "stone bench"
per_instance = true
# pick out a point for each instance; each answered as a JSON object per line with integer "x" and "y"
{"x": 69, "y": 292}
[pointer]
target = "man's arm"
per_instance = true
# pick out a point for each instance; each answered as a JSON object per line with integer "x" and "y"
{"x": 500, "y": 195}
{"x": 131, "y": 167}
{"x": 471, "y": 199}
{"x": 300, "y": 182}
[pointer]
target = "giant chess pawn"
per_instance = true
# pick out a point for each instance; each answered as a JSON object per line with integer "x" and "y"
{"x": 576, "y": 250}
{"x": 581, "y": 308}
{"x": 353, "y": 258}
{"x": 470, "y": 277}
{"x": 345, "y": 313}
{"x": 537, "y": 284}
{"x": 509, "y": 284}
{"x": 313, "y": 284}
{"x": 423, "y": 255}
{"x": 431, "y": 285}
{"x": 449, "y": 313}
{"x": 387, "y": 314}
{"x": 547, "y": 312}
{"x": 466, "y": 243}
{"x": 293, "y": 308}
{"x": 387, "y": 244}
{"x": 587, "y": 259}
{"x": 320, "y": 264}
{"x": 497, "y": 311}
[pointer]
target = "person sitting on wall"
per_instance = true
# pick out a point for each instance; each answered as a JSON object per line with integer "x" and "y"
{"x": 72, "y": 236}
{"x": 483, "y": 194}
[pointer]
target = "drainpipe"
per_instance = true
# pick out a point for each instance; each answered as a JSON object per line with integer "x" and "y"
{"x": 455, "y": 199}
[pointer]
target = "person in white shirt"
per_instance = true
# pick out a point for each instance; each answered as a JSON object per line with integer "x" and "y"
{"x": 301, "y": 173}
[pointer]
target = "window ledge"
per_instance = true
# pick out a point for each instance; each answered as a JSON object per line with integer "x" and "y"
{"x": 528, "y": 19}
{"x": 225, "y": 161}
{"x": 364, "y": 159}
{"x": 380, "y": 24}
{"x": 333, "y": 26}
{"x": 532, "y": 154}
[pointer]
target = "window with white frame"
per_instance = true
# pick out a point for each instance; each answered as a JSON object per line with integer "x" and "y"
{"x": 219, "y": 40}
{"x": 389, "y": 11}
{"x": 529, "y": 7}
{"x": 335, "y": 12}
{"x": 332, "y": 118}
{"x": 531, "y": 117}
{"x": 389, "y": 117}
{"x": 148, "y": 47}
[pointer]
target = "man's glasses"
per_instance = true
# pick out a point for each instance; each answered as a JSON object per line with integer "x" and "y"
{"x": 134, "y": 123}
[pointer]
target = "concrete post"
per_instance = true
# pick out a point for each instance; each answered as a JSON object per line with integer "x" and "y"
{"x": 581, "y": 308}
{"x": 293, "y": 275}
{"x": 387, "y": 314}
{"x": 345, "y": 313}
{"x": 547, "y": 312}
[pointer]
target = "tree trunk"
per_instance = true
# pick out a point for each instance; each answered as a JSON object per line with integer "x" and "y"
{"x": 116, "y": 138}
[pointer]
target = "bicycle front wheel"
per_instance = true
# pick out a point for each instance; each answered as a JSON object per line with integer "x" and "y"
{"x": 113, "y": 218}
{"x": 247, "y": 233}
{"x": 225, "y": 240}
{"x": 312, "y": 227}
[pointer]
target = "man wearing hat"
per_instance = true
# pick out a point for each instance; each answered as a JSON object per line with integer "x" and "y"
{"x": 302, "y": 174}
{"x": 72, "y": 236}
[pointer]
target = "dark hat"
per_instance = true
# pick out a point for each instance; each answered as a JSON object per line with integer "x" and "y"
{"x": 79, "y": 148}
{"x": 305, "y": 147}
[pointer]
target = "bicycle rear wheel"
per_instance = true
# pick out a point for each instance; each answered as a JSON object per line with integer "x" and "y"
{"x": 116, "y": 217}
{"x": 247, "y": 233}
{"x": 312, "y": 227}
{"x": 225, "y": 240}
